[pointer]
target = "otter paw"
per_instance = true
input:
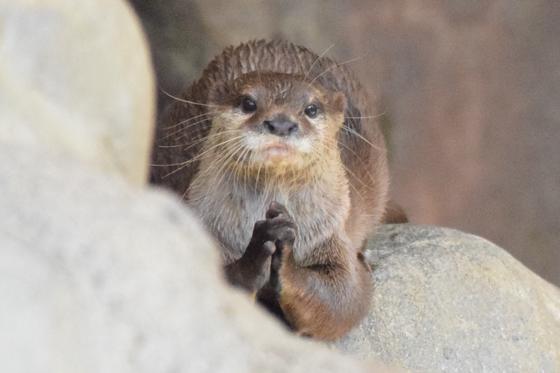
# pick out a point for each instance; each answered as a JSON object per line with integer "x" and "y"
{"x": 279, "y": 226}
{"x": 262, "y": 259}
{"x": 282, "y": 231}
{"x": 252, "y": 270}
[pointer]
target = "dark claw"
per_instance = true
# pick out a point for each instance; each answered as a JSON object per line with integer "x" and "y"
{"x": 269, "y": 247}
{"x": 275, "y": 209}
{"x": 276, "y": 260}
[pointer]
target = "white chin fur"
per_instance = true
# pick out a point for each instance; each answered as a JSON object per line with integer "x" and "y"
{"x": 258, "y": 142}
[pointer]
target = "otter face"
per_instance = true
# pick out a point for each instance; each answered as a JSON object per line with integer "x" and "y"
{"x": 279, "y": 122}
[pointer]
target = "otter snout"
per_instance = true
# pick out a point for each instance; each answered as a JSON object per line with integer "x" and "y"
{"x": 280, "y": 126}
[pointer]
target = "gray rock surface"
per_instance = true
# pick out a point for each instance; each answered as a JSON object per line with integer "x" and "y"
{"x": 450, "y": 301}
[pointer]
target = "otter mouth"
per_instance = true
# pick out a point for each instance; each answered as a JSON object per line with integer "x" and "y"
{"x": 273, "y": 152}
{"x": 277, "y": 150}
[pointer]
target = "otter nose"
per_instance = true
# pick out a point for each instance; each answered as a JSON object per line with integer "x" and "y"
{"x": 280, "y": 127}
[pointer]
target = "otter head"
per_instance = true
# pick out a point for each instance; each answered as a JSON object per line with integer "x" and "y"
{"x": 274, "y": 123}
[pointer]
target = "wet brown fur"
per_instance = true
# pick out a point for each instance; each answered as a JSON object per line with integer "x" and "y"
{"x": 326, "y": 286}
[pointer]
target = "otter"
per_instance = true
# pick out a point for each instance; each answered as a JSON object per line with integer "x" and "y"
{"x": 278, "y": 151}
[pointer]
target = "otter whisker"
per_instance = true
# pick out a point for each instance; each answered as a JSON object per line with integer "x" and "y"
{"x": 367, "y": 116}
{"x": 353, "y": 132}
{"x": 317, "y": 59}
{"x": 358, "y": 157}
{"x": 238, "y": 168}
{"x": 334, "y": 66}
{"x": 242, "y": 169}
{"x": 217, "y": 163}
{"x": 193, "y": 143}
{"x": 207, "y": 150}
{"x": 184, "y": 164}
{"x": 245, "y": 158}
{"x": 208, "y": 113}
{"x": 188, "y": 101}
{"x": 220, "y": 162}
{"x": 177, "y": 131}
{"x": 177, "y": 145}
{"x": 224, "y": 161}
{"x": 351, "y": 173}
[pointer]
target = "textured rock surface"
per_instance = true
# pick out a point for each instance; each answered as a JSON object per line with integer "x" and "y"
{"x": 77, "y": 61}
{"x": 449, "y": 301}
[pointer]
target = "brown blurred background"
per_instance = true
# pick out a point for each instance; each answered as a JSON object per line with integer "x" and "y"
{"x": 470, "y": 92}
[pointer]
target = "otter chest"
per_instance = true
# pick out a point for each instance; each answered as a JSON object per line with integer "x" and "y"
{"x": 231, "y": 215}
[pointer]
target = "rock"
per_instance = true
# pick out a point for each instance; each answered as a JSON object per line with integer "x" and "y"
{"x": 74, "y": 61}
{"x": 450, "y": 301}
{"x": 100, "y": 276}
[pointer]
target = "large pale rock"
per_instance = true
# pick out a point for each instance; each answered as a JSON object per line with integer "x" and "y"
{"x": 99, "y": 276}
{"x": 450, "y": 301}
{"x": 75, "y": 77}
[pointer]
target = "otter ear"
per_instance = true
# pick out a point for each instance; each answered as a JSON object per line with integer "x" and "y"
{"x": 338, "y": 102}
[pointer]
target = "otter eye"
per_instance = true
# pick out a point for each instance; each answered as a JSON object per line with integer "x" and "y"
{"x": 311, "y": 111}
{"x": 248, "y": 105}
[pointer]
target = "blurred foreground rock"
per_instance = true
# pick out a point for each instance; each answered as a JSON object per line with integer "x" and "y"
{"x": 96, "y": 273}
{"x": 450, "y": 301}
{"x": 75, "y": 78}
{"x": 99, "y": 276}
